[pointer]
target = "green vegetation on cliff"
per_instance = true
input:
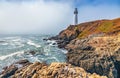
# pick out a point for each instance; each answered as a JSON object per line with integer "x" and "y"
{"x": 110, "y": 27}
{"x": 106, "y": 26}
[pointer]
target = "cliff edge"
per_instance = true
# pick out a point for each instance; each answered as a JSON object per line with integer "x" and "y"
{"x": 94, "y": 46}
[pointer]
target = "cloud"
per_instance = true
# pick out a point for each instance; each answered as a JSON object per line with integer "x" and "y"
{"x": 50, "y": 16}
{"x": 34, "y": 17}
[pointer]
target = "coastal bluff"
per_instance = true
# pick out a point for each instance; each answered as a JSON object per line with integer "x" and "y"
{"x": 94, "y": 46}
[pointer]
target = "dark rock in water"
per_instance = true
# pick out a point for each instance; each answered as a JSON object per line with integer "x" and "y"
{"x": 32, "y": 52}
{"x": 2, "y": 41}
{"x": 10, "y": 70}
{"x": 45, "y": 39}
{"x": 62, "y": 44}
{"x": 22, "y": 61}
{"x": 54, "y": 44}
{"x": 53, "y": 38}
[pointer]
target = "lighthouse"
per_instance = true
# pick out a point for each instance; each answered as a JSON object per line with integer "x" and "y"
{"x": 76, "y": 16}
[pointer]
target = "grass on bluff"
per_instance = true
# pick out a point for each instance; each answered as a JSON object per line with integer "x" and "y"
{"x": 83, "y": 34}
{"x": 106, "y": 27}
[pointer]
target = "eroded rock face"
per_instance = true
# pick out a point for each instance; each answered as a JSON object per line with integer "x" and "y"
{"x": 10, "y": 70}
{"x": 54, "y": 70}
{"x": 66, "y": 36}
{"x": 28, "y": 71}
{"x": 42, "y": 70}
{"x": 93, "y": 46}
{"x": 98, "y": 54}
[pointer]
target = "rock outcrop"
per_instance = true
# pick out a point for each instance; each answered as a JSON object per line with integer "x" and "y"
{"x": 98, "y": 54}
{"x": 94, "y": 46}
{"x": 54, "y": 70}
{"x": 10, "y": 70}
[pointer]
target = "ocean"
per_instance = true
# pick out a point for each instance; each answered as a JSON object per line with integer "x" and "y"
{"x": 32, "y": 47}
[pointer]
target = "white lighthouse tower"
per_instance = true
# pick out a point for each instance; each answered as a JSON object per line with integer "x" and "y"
{"x": 76, "y": 16}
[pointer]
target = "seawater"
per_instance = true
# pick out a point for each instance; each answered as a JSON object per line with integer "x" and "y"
{"x": 17, "y": 47}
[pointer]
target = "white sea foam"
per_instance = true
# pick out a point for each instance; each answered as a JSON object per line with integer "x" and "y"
{"x": 10, "y": 55}
{"x": 33, "y": 59}
{"x": 21, "y": 45}
{"x": 53, "y": 58}
{"x": 18, "y": 44}
{"x": 4, "y": 44}
{"x": 12, "y": 41}
{"x": 52, "y": 42}
{"x": 16, "y": 40}
{"x": 33, "y": 44}
{"x": 11, "y": 37}
{"x": 64, "y": 51}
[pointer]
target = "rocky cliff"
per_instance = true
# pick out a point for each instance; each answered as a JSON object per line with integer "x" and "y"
{"x": 94, "y": 46}
{"x": 25, "y": 69}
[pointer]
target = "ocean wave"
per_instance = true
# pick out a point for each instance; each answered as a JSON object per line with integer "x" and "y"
{"x": 10, "y": 38}
{"x": 17, "y": 43}
{"x": 19, "y": 48}
{"x": 12, "y": 41}
{"x": 33, "y": 44}
{"x": 4, "y": 44}
{"x": 16, "y": 40}
{"x": 10, "y": 55}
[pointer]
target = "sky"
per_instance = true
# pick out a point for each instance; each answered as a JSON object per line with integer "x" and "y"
{"x": 52, "y": 16}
